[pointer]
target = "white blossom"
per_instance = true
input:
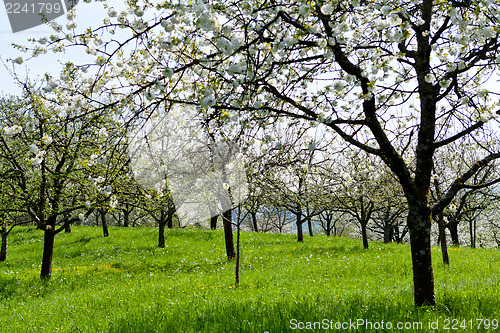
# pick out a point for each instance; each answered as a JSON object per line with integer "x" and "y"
{"x": 91, "y": 50}
{"x": 112, "y": 12}
{"x": 385, "y": 10}
{"x": 103, "y": 133}
{"x": 107, "y": 190}
{"x": 34, "y": 149}
{"x": 71, "y": 25}
{"x": 19, "y": 60}
{"x": 101, "y": 60}
{"x": 150, "y": 95}
{"x": 207, "y": 101}
{"x": 327, "y": 9}
{"x": 429, "y": 78}
{"x": 50, "y": 87}
{"x": 71, "y": 15}
{"x": 46, "y": 140}
{"x": 13, "y": 130}
{"x": 138, "y": 12}
{"x": 382, "y": 24}
{"x": 168, "y": 72}
{"x": 113, "y": 203}
{"x": 38, "y": 158}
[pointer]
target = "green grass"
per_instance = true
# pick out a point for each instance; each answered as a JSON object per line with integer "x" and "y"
{"x": 125, "y": 283}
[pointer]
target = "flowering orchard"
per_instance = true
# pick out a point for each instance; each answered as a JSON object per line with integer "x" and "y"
{"x": 400, "y": 80}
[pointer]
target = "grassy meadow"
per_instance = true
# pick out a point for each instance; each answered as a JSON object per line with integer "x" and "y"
{"x": 125, "y": 283}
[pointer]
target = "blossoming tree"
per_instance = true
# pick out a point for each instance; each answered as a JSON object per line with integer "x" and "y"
{"x": 47, "y": 145}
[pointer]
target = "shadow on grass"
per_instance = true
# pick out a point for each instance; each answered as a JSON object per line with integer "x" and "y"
{"x": 324, "y": 315}
{"x": 327, "y": 313}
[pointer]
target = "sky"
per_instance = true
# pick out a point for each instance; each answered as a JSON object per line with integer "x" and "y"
{"x": 88, "y": 14}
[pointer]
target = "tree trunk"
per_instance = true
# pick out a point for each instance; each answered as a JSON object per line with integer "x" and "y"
{"x": 213, "y": 222}
{"x": 170, "y": 219}
{"x": 228, "y": 233}
{"x": 387, "y": 232}
{"x": 419, "y": 224}
{"x": 309, "y": 226}
{"x": 3, "y": 249}
{"x": 126, "y": 216}
{"x": 48, "y": 250}
{"x": 67, "y": 228}
{"x": 161, "y": 234}
{"x": 442, "y": 239}
{"x": 364, "y": 234}
{"x": 472, "y": 231}
{"x": 161, "y": 229}
{"x": 300, "y": 234}
{"x": 254, "y": 221}
{"x": 388, "y": 229}
{"x": 238, "y": 258}
{"x": 104, "y": 222}
{"x": 453, "y": 228}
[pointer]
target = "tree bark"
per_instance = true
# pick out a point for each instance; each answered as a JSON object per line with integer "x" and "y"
{"x": 3, "y": 249}
{"x": 170, "y": 215}
{"x": 309, "y": 226}
{"x": 388, "y": 228}
{"x": 442, "y": 239}
{"x": 254, "y": 221}
{"x": 228, "y": 233}
{"x": 48, "y": 251}
{"x": 161, "y": 234}
{"x": 213, "y": 222}
{"x": 126, "y": 216}
{"x": 364, "y": 234}
{"x": 419, "y": 224}
{"x": 238, "y": 258}
{"x": 67, "y": 228}
{"x": 104, "y": 222}
{"x": 300, "y": 234}
{"x": 453, "y": 228}
{"x": 161, "y": 228}
{"x": 472, "y": 231}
